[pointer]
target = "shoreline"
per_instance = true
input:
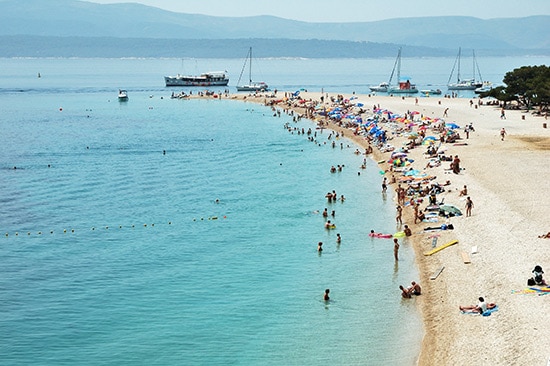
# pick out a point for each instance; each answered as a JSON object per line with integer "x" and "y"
{"x": 508, "y": 183}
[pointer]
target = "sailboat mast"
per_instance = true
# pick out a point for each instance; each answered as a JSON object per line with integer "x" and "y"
{"x": 399, "y": 66}
{"x": 250, "y": 66}
{"x": 458, "y": 72}
{"x": 476, "y": 66}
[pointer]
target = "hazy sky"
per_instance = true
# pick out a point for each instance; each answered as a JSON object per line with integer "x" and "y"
{"x": 350, "y": 10}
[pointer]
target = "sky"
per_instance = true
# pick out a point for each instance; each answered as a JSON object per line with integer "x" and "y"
{"x": 350, "y": 10}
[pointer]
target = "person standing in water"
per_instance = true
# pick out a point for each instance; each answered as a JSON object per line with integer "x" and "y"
{"x": 395, "y": 249}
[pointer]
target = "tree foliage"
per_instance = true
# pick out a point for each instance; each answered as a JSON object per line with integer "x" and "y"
{"x": 528, "y": 85}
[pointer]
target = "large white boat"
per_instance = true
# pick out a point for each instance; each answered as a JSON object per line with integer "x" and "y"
{"x": 213, "y": 78}
{"x": 464, "y": 84}
{"x": 403, "y": 85}
{"x": 252, "y": 86}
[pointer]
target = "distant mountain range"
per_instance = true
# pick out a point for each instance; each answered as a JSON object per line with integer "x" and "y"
{"x": 66, "y": 28}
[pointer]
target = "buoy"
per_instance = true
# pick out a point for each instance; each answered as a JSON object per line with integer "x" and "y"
{"x": 72, "y": 230}
{"x": 64, "y": 230}
{"x": 120, "y": 226}
{"x": 152, "y": 224}
{"x": 40, "y": 233}
{"x": 106, "y": 227}
{"x": 169, "y": 222}
{"x": 6, "y": 234}
{"x": 51, "y": 231}
{"x": 144, "y": 225}
{"x": 16, "y": 233}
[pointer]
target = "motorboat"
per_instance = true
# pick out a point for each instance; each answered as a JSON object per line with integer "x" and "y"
{"x": 122, "y": 95}
{"x": 382, "y": 87}
{"x": 428, "y": 92}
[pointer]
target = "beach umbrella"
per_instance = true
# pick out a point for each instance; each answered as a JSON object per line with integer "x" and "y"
{"x": 398, "y": 154}
{"x": 450, "y": 210}
{"x": 452, "y": 125}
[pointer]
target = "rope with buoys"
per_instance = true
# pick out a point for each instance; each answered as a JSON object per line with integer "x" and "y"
{"x": 98, "y": 228}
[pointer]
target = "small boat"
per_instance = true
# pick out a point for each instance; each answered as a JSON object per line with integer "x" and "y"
{"x": 212, "y": 78}
{"x": 431, "y": 91}
{"x": 486, "y": 87}
{"x": 464, "y": 84}
{"x": 122, "y": 95}
{"x": 404, "y": 85}
{"x": 252, "y": 86}
{"x": 382, "y": 87}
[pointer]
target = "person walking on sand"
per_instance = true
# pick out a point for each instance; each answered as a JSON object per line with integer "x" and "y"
{"x": 502, "y": 115}
{"x": 445, "y": 112}
{"x": 469, "y": 206}
{"x": 502, "y": 134}
{"x": 395, "y": 248}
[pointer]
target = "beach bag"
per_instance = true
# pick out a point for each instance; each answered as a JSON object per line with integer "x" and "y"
{"x": 530, "y": 282}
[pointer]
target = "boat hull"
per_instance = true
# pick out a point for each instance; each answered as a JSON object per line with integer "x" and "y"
{"x": 402, "y": 91}
{"x": 382, "y": 87}
{"x": 464, "y": 86}
{"x": 253, "y": 87}
{"x": 431, "y": 92}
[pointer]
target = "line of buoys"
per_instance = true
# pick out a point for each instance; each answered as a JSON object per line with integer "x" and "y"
{"x": 107, "y": 227}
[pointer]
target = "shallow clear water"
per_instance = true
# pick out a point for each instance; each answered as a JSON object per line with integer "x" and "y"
{"x": 113, "y": 255}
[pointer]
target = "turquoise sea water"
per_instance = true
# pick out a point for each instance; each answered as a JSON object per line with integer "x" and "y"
{"x": 113, "y": 255}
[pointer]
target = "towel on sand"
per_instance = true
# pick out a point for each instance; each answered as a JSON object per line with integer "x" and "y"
{"x": 487, "y": 313}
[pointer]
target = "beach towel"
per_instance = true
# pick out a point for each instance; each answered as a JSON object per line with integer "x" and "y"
{"x": 540, "y": 291}
{"x": 486, "y": 313}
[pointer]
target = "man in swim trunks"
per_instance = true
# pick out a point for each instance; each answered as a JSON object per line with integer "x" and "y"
{"x": 415, "y": 289}
{"x": 481, "y": 307}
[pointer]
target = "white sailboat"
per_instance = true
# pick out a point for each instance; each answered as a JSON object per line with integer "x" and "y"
{"x": 464, "y": 84}
{"x": 404, "y": 85}
{"x": 253, "y": 86}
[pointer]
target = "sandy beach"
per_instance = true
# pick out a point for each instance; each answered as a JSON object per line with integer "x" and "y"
{"x": 508, "y": 182}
